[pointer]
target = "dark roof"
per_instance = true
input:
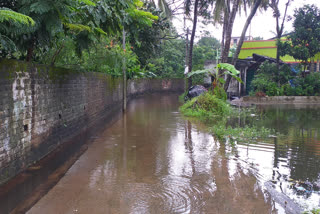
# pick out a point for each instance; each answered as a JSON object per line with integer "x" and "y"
{"x": 286, "y": 34}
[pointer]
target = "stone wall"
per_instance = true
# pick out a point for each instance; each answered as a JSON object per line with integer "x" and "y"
{"x": 281, "y": 100}
{"x": 42, "y": 108}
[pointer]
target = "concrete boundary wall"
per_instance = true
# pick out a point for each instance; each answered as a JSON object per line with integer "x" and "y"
{"x": 42, "y": 108}
{"x": 281, "y": 100}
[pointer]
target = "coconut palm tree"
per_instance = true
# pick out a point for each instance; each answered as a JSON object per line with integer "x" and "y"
{"x": 256, "y": 4}
{"x": 163, "y": 5}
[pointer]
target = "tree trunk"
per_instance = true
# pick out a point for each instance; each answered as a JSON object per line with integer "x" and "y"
{"x": 186, "y": 83}
{"x": 228, "y": 32}
{"x": 279, "y": 32}
{"x": 225, "y": 22}
{"x": 194, "y": 27}
{"x": 245, "y": 28}
{"x": 30, "y": 51}
{"x": 56, "y": 54}
{"x": 124, "y": 72}
{"x": 188, "y": 80}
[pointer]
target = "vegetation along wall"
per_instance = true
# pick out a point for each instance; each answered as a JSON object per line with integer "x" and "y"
{"x": 42, "y": 108}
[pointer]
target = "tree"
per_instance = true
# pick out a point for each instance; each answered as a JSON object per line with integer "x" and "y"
{"x": 305, "y": 39}
{"x": 205, "y": 49}
{"x": 274, "y": 5}
{"x": 11, "y": 22}
{"x": 200, "y": 7}
{"x": 51, "y": 18}
{"x": 254, "y": 8}
{"x": 194, "y": 27}
{"x": 147, "y": 40}
{"x": 163, "y": 5}
{"x": 229, "y": 15}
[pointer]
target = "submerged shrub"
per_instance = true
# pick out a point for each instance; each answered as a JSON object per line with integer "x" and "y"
{"x": 215, "y": 113}
{"x": 206, "y": 104}
{"x": 220, "y": 93}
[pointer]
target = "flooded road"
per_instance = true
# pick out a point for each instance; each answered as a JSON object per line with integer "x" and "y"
{"x": 154, "y": 161}
{"x": 290, "y": 161}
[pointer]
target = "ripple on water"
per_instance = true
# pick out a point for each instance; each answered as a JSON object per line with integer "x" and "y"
{"x": 285, "y": 162}
{"x": 171, "y": 194}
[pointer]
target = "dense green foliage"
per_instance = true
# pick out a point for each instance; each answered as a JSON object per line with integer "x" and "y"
{"x": 84, "y": 34}
{"x": 168, "y": 62}
{"x": 304, "y": 41}
{"x": 303, "y": 44}
{"x": 306, "y": 36}
{"x": 205, "y": 49}
{"x": 9, "y": 18}
{"x": 87, "y": 35}
{"x": 266, "y": 80}
{"x": 216, "y": 113}
{"x": 306, "y": 86}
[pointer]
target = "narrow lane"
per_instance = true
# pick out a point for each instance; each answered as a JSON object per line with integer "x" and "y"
{"x": 154, "y": 161}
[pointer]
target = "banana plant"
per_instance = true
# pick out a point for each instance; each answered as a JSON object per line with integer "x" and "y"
{"x": 218, "y": 76}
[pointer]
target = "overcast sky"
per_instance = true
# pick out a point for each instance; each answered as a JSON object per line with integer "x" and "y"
{"x": 263, "y": 24}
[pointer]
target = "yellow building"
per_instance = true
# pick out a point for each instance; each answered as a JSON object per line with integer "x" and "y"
{"x": 265, "y": 48}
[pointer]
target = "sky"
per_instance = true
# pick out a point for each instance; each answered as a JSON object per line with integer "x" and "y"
{"x": 263, "y": 24}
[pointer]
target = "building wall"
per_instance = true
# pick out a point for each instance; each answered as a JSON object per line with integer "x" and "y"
{"x": 42, "y": 108}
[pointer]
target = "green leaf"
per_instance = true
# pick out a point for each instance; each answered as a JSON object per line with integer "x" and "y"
{"x": 99, "y": 30}
{"x": 41, "y": 7}
{"x": 222, "y": 81}
{"x": 237, "y": 78}
{"x": 77, "y": 27}
{"x": 9, "y": 15}
{"x": 87, "y": 2}
{"x": 228, "y": 67}
{"x": 206, "y": 71}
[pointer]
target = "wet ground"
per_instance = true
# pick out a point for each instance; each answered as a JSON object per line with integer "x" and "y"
{"x": 154, "y": 161}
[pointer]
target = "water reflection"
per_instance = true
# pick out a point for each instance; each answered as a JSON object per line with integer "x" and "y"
{"x": 154, "y": 161}
{"x": 292, "y": 161}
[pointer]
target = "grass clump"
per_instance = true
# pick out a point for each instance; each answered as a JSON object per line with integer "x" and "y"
{"x": 215, "y": 113}
{"x": 206, "y": 107}
{"x": 240, "y": 134}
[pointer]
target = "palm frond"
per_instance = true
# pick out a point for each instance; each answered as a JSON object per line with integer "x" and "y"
{"x": 77, "y": 27}
{"x": 205, "y": 71}
{"x": 6, "y": 43}
{"x": 164, "y": 7}
{"x": 99, "y": 30}
{"x": 87, "y": 2}
{"x": 12, "y": 16}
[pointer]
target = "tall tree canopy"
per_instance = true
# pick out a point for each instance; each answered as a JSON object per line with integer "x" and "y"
{"x": 304, "y": 41}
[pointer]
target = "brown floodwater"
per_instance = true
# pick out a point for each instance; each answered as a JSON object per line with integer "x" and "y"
{"x": 153, "y": 160}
